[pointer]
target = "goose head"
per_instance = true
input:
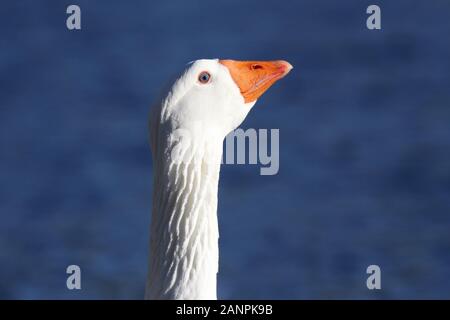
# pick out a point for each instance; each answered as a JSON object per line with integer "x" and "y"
{"x": 212, "y": 97}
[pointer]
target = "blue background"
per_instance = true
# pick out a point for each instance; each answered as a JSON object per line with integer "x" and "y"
{"x": 364, "y": 140}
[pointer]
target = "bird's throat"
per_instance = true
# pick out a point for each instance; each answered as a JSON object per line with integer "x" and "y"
{"x": 184, "y": 229}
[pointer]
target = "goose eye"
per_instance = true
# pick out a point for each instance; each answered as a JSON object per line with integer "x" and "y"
{"x": 204, "y": 77}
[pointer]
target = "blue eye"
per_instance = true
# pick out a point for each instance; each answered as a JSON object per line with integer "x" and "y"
{"x": 204, "y": 77}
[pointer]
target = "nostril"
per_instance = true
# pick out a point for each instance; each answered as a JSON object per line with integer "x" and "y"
{"x": 256, "y": 66}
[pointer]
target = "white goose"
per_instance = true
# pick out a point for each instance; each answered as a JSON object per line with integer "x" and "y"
{"x": 210, "y": 99}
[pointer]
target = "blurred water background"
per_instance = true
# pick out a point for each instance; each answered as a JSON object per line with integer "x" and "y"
{"x": 364, "y": 146}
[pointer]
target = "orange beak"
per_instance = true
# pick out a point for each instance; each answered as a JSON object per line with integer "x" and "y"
{"x": 254, "y": 77}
